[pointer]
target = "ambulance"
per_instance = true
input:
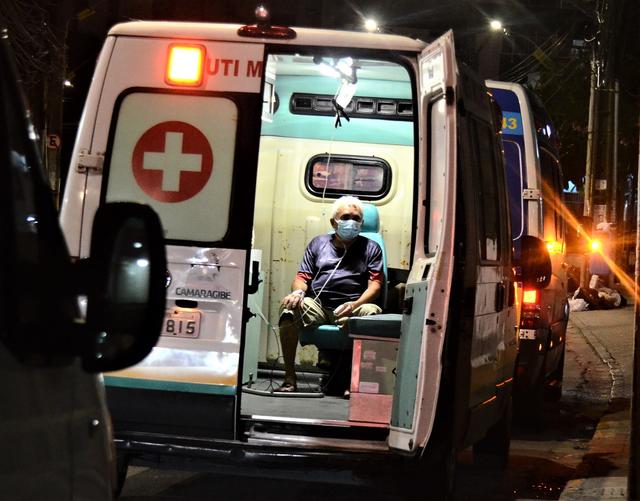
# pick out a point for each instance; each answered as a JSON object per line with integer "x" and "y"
{"x": 535, "y": 187}
{"x": 241, "y": 137}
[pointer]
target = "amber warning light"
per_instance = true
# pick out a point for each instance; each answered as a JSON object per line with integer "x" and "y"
{"x": 184, "y": 65}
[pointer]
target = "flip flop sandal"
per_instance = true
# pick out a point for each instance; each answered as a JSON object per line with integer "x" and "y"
{"x": 286, "y": 388}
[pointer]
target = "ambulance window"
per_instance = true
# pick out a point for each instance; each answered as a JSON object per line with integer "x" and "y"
{"x": 488, "y": 192}
{"x": 176, "y": 153}
{"x": 366, "y": 177}
{"x": 513, "y": 157}
{"x": 438, "y": 159}
{"x": 551, "y": 195}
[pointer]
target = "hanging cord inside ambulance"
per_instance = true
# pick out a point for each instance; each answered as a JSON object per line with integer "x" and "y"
{"x": 275, "y": 330}
{"x": 271, "y": 328}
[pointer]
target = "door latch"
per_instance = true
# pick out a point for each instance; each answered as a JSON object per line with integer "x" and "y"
{"x": 89, "y": 162}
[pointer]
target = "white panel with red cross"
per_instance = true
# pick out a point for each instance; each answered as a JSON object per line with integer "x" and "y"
{"x": 175, "y": 153}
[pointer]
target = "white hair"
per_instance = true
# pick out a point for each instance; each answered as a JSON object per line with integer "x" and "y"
{"x": 346, "y": 201}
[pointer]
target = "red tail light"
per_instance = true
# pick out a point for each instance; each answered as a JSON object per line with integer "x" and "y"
{"x": 530, "y": 297}
{"x": 530, "y": 317}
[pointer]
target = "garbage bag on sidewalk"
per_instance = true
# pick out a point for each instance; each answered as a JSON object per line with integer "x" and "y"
{"x": 602, "y": 298}
{"x": 578, "y": 304}
{"x": 612, "y": 296}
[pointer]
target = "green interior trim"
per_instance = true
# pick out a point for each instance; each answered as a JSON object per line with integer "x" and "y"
{"x": 361, "y": 130}
{"x": 404, "y": 396}
{"x": 154, "y": 384}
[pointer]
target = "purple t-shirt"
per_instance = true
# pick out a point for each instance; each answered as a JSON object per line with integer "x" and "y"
{"x": 362, "y": 260}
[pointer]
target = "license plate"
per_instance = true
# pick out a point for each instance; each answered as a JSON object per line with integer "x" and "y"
{"x": 181, "y": 323}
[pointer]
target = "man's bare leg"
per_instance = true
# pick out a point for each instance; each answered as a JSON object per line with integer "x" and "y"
{"x": 289, "y": 341}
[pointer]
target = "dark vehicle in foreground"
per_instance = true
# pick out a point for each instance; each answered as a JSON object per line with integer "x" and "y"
{"x": 55, "y": 431}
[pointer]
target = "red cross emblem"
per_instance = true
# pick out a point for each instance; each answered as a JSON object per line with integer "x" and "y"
{"x": 172, "y": 161}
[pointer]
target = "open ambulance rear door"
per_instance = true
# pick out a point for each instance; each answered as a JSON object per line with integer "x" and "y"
{"x": 430, "y": 279}
{"x": 174, "y": 122}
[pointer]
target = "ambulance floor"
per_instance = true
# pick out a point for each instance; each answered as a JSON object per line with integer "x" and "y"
{"x": 307, "y": 403}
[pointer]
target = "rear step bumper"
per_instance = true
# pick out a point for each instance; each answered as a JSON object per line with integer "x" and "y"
{"x": 267, "y": 455}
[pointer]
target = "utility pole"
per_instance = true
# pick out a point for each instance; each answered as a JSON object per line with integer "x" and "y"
{"x": 601, "y": 168}
{"x": 60, "y": 14}
{"x": 633, "y": 479}
{"x": 588, "y": 178}
{"x": 615, "y": 169}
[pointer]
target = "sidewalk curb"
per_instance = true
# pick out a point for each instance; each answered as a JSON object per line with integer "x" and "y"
{"x": 599, "y": 348}
{"x": 613, "y": 427}
{"x": 596, "y": 489}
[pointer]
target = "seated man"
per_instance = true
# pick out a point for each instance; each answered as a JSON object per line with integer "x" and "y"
{"x": 340, "y": 276}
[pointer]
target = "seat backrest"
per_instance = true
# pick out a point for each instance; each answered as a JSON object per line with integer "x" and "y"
{"x": 371, "y": 230}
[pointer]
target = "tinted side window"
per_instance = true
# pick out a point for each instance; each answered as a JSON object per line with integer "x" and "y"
{"x": 34, "y": 286}
{"x": 489, "y": 192}
{"x": 33, "y": 222}
{"x": 551, "y": 195}
{"x": 514, "y": 167}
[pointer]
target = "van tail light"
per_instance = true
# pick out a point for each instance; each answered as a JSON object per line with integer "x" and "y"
{"x": 184, "y": 65}
{"x": 530, "y": 317}
{"x": 530, "y": 297}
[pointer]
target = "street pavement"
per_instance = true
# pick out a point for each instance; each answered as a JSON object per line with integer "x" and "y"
{"x": 609, "y": 333}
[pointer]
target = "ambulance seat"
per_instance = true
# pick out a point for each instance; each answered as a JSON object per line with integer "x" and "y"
{"x": 332, "y": 337}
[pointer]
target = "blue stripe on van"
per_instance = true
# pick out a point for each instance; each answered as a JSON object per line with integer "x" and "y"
{"x": 360, "y": 130}
{"x": 511, "y": 123}
{"x": 507, "y": 100}
{"x": 153, "y": 384}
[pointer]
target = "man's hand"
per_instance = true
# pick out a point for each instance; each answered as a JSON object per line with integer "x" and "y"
{"x": 293, "y": 300}
{"x": 345, "y": 309}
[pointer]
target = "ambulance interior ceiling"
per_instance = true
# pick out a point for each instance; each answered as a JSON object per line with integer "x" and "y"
{"x": 390, "y": 122}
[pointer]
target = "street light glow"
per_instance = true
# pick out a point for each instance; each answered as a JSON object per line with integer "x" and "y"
{"x": 495, "y": 25}
{"x": 370, "y": 24}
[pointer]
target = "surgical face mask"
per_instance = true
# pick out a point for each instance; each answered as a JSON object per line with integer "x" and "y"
{"x": 348, "y": 229}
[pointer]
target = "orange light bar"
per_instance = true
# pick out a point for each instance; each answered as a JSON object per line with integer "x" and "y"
{"x": 530, "y": 297}
{"x": 184, "y": 65}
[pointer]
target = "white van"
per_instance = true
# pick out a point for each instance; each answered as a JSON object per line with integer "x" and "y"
{"x": 535, "y": 186}
{"x": 241, "y": 137}
{"x": 55, "y": 432}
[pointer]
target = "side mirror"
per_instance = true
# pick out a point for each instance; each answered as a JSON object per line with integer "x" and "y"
{"x": 532, "y": 262}
{"x": 126, "y": 292}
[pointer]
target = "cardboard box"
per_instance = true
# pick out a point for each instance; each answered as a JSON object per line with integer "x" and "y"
{"x": 372, "y": 379}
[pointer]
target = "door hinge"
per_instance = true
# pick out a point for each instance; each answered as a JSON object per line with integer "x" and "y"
{"x": 531, "y": 194}
{"x": 87, "y": 162}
